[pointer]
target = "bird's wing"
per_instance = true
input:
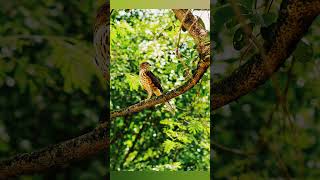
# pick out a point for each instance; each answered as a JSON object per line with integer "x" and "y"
{"x": 155, "y": 80}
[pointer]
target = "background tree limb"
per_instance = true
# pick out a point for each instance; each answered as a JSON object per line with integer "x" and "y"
{"x": 295, "y": 18}
{"x": 58, "y": 155}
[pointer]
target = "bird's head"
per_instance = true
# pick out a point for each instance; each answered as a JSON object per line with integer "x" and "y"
{"x": 145, "y": 66}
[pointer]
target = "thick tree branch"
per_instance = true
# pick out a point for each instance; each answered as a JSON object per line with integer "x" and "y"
{"x": 295, "y": 18}
{"x": 201, "y": 37}
{"x": 58, "y": 155}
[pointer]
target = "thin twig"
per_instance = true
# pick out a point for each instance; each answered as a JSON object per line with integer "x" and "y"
{"x": 231, "y": 150}
{"x": 269, "y": 7}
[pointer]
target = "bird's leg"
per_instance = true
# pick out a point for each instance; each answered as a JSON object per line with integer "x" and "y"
{"x": 149, "y": 94}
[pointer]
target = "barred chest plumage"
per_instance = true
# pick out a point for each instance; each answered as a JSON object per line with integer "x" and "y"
{"x": 145, "y": 80}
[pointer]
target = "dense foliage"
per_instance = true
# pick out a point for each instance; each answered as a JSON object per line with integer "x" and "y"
{"x": 156, "y": 139}
{"x": 50, "y": 90}
{"x": 273, "y": 131}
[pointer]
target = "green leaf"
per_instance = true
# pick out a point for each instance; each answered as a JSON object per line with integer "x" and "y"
{"x": 168, "y": 146}
{"x": 269, "y": 18}
{"x": 133, "y": 81}
{"x": 75, "y": 65}
{"x": 231, "y": 24}
{"x": 195, "y": 127}
{"x": 179, "y": 67}
{"x": 221, "y": 15}
{"x": 248, "y": 4}
{"x": 257, "y": 19}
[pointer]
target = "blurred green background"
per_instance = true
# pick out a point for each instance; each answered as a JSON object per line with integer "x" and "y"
{"x": 50, "y": 89}
{"x": 257, "y": 137}
{"x": 155, "y": 139}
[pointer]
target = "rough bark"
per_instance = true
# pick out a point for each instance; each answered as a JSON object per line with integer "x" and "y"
{"x": 294, "y": 20}
{"x": 58, "y": 155}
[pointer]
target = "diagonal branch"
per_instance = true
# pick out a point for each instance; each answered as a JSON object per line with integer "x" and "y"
{"x": 57, "y": 155}
{"x": 295, "y": 18}
{"x": 202, "y": 39}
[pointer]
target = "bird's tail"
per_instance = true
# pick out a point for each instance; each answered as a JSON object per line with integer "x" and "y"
{"x": 169, "y": 107}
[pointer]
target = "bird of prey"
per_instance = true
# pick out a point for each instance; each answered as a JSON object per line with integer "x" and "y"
{"x": 151, "y": 83}
{"x": 101, "y": 39}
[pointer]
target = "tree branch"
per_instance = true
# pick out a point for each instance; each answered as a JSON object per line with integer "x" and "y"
{"x": 295, "y": 18}
{"x": 231, "y": 150}
{"x": 201, "y": 37}
{"x": 58, "y": 155}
